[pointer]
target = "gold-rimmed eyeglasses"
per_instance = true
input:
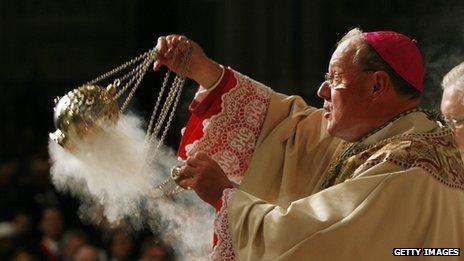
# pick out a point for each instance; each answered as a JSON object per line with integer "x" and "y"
{"x": 335, "y": 78}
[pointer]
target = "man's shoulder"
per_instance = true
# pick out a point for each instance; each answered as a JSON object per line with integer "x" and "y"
{"x": 435, "y": 153}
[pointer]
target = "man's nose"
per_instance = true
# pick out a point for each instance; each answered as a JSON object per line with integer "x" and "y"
{"x": 324, "y": 91}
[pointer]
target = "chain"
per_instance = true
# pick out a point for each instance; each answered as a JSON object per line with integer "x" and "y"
{"x": 135, "y": 76}
{"x": 139, "y": 76}
{"x": 171, "y": 101}
{"x": 169, "y": 187}
{"x": 137, "y": 71}
{"x": 158, "y": 101}
{"x": 165, "y": 189}
{"x": 131, "y": 81}
{"x": 164, "y": 111}
{"x": 120, "y": 68}
{"x": 179, "y": 87}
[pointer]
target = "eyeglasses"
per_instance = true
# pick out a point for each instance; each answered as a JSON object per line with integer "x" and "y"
{"x": 453, "y": 123}
{"x": 335, "y": 78}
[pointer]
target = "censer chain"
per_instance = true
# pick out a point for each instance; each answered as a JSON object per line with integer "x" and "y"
{"x": 155, "y": 109}
{"x": 138, "y": 78}
{"x": 174, "y": 101}
{"x": 176, "y": 87}
{"x": 167, "y": 110}
{"x": 169, "y": 187}
{"x": 164, "y": 111}
{"x": 121, "y": 67}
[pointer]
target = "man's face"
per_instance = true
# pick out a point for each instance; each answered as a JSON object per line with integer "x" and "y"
{"x": 347, "y": 98}
{"x": 452, "y": 107}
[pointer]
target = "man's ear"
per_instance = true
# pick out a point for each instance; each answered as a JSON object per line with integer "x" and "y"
{"x": 382, "y": 84}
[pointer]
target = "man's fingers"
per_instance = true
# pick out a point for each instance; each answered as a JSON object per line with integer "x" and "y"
{"x": 200, "y": 159}
{"x": 202, "y": 156}
{"x": 189, "y": 183}
{"x": 161, "y": 45}
{"x": 177, "y": 37}
{"x": 187, "y": 171}
{"x": 172, "y": 45}
{"x": 158, "y": 63}
{"x": 176, "y": 45}
{"x": 176, "y": 40}
{"x": 169, "y": 38}
{"x": 183, "y": 47}
{"x": 194, "y": 162}
{"x": 172, "y": 51}
{"x": 156, "y": 66}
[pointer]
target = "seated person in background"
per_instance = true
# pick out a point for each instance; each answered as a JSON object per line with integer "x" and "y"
{"x": 452, "y": 103}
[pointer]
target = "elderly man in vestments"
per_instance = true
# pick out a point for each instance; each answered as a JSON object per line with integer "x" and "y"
{"x": 367, "y": 173}
{"x": 452, "y": 103}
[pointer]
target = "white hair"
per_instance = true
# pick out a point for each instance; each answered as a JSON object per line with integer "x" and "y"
{"x": 454, "y": 78}
{"x": 361, "y": 47}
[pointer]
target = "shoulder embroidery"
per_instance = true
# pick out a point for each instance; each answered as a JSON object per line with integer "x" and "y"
{"x": 436, "y": 153}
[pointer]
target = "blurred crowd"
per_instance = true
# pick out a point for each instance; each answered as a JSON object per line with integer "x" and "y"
{"x": 38, "y": 223}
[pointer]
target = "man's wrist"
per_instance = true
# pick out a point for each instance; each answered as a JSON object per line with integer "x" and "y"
{"x": 217, "y": 194}
{"x": 209, "y": 74}
{"x": 219, "y": 200}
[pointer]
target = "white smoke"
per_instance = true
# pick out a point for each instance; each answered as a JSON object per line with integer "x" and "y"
{"x": 113, "y": 174}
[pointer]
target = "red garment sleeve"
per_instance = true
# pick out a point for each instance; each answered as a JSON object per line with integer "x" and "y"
{"x": 200, "y": 111}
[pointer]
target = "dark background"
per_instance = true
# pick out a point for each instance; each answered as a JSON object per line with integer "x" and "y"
{"x": 48, "y": 47}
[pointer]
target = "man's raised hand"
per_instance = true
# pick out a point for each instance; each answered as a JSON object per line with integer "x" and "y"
{"x": 173, "y": 50}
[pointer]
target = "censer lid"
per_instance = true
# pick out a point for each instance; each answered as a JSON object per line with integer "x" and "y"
{"x": 82, "y": 111}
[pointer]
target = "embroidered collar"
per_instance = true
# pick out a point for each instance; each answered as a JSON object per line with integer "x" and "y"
{"x": 376, "y": 135}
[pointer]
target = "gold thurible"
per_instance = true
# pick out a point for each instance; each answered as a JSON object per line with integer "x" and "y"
{"x": 83, "y": 111}
{"x": 88, "y": 108}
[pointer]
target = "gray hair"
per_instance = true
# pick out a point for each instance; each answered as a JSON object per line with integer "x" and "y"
{"x": 454, "y": 78}
{"x": 366, "y": 57}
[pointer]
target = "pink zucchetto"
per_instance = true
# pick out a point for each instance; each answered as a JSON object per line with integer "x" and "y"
{"x": 401, "y": 53}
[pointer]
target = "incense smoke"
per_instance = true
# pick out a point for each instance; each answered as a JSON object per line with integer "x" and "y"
{"x": 114, "y": 172}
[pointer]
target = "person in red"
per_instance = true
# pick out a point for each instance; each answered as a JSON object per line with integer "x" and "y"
{"x": 366, "y": 174}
